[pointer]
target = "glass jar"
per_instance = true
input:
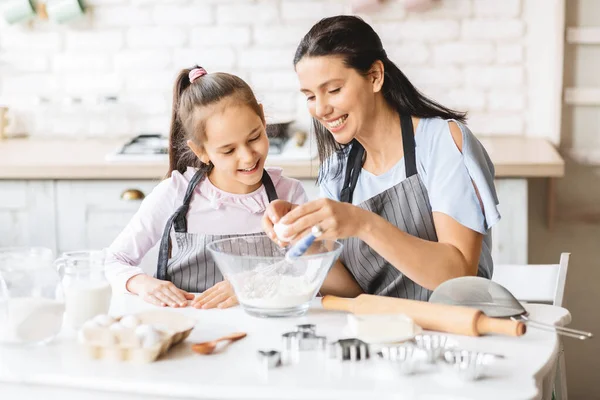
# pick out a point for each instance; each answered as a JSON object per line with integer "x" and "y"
{"x": 87, "y": 292}
{"x": 31, "y": 298}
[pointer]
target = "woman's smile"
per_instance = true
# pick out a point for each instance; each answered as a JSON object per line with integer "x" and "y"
{"x": 336, "y": 125}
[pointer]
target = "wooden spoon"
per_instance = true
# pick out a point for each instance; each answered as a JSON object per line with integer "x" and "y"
{"x": 209, "y": 347}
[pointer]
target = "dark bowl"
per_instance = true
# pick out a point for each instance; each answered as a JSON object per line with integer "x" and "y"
{"x": 278, "y": 130}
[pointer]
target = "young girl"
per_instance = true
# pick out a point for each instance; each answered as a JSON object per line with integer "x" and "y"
{"x": 216, "y": 188}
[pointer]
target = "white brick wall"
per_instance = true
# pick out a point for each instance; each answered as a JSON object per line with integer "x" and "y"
{"x": 97, "y": 39}
{"x": 467, "y": 54}
{"x": 180, "y": 15}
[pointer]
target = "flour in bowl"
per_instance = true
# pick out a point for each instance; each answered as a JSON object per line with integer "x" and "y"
{"x": 273, "y": 291}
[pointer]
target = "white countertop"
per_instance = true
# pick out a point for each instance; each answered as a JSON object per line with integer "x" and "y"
{"x": 513, "y": 157}
{"x": 62, "y": 371}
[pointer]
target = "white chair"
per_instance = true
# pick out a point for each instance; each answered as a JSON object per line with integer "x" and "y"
{"x": 539, "y": 283}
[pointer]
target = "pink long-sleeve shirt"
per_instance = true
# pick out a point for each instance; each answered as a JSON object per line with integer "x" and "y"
{"x": 212, "y": 211}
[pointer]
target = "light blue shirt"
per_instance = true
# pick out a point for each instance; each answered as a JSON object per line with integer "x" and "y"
{"x": 447, "y": 173}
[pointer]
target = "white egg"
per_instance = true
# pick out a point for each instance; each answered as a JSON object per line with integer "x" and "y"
{"x": 104, "y": 320}
{"x": 116, "y": 327}
{"x": 280, "y": 229}
{"x": 130, "y": 321}
{"x": 149, "y": 337}
{"x": 90, "y": 324}
{"x": 143, "y": 329}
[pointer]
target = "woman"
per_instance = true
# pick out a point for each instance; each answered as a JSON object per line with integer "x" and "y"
{"x": 406, "y": 185}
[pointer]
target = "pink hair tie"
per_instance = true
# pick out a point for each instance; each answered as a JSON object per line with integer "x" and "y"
{"x": 196, "y": 73}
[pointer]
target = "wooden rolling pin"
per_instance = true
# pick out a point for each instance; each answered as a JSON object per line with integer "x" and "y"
{"x": 430, "y": 316}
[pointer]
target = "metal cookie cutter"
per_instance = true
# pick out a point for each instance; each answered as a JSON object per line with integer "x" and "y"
{"x": 349, "y": 349}
{"x": 308, "y": 328}
{"x": 468, "y": 365}
{"x": 405, "y": 356}
{"x": 434, "y": 345}
{"x": 270, "y": 358}
{"x": 303, "y": 339}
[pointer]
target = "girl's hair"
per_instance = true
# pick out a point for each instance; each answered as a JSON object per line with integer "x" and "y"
{"x": 188, "y": 121}
{"x": 360, "y": 46}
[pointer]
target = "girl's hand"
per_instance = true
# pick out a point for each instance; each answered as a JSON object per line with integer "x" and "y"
{"x": 158, "y": 292}
{"x": 274, "y": 212}
{"x": 337, "y": 220}
{"x": 220, "y": 295}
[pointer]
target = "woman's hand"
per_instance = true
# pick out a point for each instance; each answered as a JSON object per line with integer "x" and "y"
{"x": 337, "y": 220}
{"x": 274, "y": 212}
{"x": 158, "y": 292}
{"x": 220, "y": 295}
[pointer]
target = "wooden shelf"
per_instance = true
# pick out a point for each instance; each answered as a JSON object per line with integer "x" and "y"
{"x": 582, "y": 96}
{"x": 590, "y": 35}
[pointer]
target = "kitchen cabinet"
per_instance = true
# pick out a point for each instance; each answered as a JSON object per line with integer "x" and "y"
{"x": 27, "y": 213}
{"x": 90, "y": 214}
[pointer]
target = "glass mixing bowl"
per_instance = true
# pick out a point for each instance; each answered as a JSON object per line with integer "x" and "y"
{"x": 265, "y": 283}
{"x": 31, "y": 297}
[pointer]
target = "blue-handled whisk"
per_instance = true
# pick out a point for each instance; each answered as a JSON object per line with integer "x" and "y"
{"x": 303, "y": 244}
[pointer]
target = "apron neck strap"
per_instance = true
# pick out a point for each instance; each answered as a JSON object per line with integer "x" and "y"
{"x": 409, "y": 145}
{"x": 353, "y": 167}
{"x": 269, "y": 186}
{"x": 356, "y": 159}
{"x": 179, "y": 220}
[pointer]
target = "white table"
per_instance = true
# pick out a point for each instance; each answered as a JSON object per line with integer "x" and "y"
{"x": 62, "y": 371}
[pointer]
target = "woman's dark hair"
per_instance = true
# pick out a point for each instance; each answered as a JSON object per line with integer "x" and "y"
{"x": 359, "y": 45}
{"x": 187, "y": 118}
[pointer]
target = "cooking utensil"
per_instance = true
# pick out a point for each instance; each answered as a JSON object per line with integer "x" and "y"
{"x": 467, "y": 365}
{"x": 295, "y": 252}
{"x": 405, "y": 356}
{"x": 349, "y": 350}
{"x": 433, "y": 345}
{"x": 309, "y": 328}
{"x": 494, "y": 300}
{"x": 436, "y": 317}
{"x": 31, "y": 296}
{"x": 209, "y": 347}
{"x": 301, "y": 341}
{"x": 286, "y": 291}
{"x": 277, "y": 132}
{"x": 270, "y": 358}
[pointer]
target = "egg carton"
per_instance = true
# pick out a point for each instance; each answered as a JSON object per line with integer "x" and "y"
{"x": 124, "y": 344}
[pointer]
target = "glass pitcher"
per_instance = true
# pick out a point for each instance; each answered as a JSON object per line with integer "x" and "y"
{"x": 87, "y": 292}
{"x": 31, "y": 298}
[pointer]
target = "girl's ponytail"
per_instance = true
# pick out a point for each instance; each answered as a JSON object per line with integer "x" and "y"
{"x": 180, "y": 155}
